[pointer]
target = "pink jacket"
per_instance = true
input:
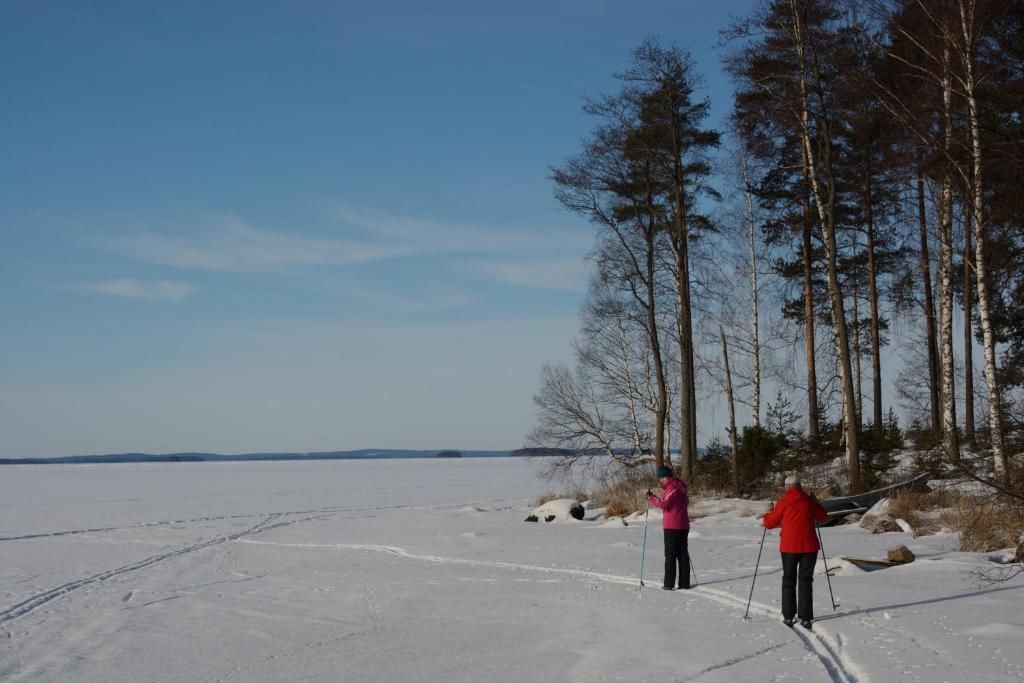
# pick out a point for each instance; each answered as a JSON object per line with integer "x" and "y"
{"x": 674, "y": 504}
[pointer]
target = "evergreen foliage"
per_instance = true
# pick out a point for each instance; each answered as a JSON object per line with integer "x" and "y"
{"x": 886, "y": 144}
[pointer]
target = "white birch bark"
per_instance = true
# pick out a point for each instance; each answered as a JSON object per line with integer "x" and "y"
{"x": 950, "y": 438}
{"x": 732, "y": 415}
{"x": 755, "y": 292}
{"x": 984, "y": 296}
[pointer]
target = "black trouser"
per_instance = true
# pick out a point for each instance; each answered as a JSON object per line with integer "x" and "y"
{"x": 677, "y": 553}
{"x": 798, "y": 568}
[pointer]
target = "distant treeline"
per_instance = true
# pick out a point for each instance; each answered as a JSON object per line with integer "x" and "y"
{"x": 365, "y": 454}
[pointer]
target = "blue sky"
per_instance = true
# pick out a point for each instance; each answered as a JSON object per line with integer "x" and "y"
{"x": 290, "y": 226}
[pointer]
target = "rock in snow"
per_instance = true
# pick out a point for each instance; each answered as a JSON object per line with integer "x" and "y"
{"x": 900, "y": 554}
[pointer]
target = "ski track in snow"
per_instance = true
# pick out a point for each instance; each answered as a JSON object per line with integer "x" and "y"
{"x": 33, "y": 602}
{"x": 828, "y": 649}
{"x": 730, "y": 662}
{"x": 218, "y": 518}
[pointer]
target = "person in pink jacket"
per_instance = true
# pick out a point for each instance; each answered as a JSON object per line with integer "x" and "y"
{"x": 676, "y": 525}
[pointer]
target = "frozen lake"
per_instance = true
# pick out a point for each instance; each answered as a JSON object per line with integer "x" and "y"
{"x": 423, "y": 570}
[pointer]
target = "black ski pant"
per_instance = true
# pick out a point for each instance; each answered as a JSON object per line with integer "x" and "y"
{"x": 798, "y": 572}
{"x": 677, "y": 554}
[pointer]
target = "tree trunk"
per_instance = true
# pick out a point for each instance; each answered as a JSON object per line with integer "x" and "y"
{"x": 687, "y": 407}
{"x": 858, "y": 384}
{"x": 755, "y": 335}
{"x": 968, "y": 339}
{"x": 876, "y": 349}
{"x": 681, "y": 243}
{"x": 668, "y": 431}
{"x": 693, "y": 400}
{"x": 950, "y": 437}
{"x": 999, "y": 460}
{"x": 659, "y": 371}
{"x": 929, "y": 307}
{"x": 732, "y": 416}
{"x": 813, "y": 418}
{"x": 826, "y": 215}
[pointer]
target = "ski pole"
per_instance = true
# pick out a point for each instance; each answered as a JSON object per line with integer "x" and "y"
{"x": 694, "y": 571}
{"x": 765, "y": 533}
{"x": 827, "y": 576}
{"x": 643, "y": 548}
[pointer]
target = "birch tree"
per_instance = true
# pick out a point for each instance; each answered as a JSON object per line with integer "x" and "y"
{"x": 948, "y": 33}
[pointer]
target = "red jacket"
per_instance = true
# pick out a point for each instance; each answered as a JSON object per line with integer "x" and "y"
{"x": 797, "y": 512}
{"x": 674, "y": 504}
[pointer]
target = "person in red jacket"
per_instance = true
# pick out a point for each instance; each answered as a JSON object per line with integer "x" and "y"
{"x": 798, "y": 512}
{"x": 676, "y": 525}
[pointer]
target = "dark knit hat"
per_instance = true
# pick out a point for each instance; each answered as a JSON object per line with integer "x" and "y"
{"x": 664, "y": 472}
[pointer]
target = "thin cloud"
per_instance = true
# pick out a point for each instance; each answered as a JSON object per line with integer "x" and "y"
{"x": 435, "y": 236}
{"x": 236, "y": 247}
{"x": 419, "y": 302}
{"x": 127, "y": 288}
{"x": 559, "y": 274}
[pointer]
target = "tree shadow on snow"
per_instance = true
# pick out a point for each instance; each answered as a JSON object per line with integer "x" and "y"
{"x": 747, "y": 577}
{"x": 916, "y": 603}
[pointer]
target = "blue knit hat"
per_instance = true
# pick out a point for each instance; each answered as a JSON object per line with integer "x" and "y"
{"x": 664, "y": 472}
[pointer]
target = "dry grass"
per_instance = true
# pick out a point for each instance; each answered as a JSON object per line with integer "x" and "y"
{"x": 907, "y": 505}
{"x": 930, "y": 500}
{"x": 923, "y": 511}
{"x": 984, "y": 525}
{"x": 543, "y": 498}
{"x": 621, "y": 499}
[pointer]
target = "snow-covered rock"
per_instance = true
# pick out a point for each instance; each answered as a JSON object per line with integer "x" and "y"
{"x": 905, "y": 525}
{"x": 558, "y": 510}
{"x": 880, "y": 524}
{"x": 1006, "y": 556}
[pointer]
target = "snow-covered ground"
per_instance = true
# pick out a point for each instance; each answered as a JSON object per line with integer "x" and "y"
{"x": 424, "y": 570}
